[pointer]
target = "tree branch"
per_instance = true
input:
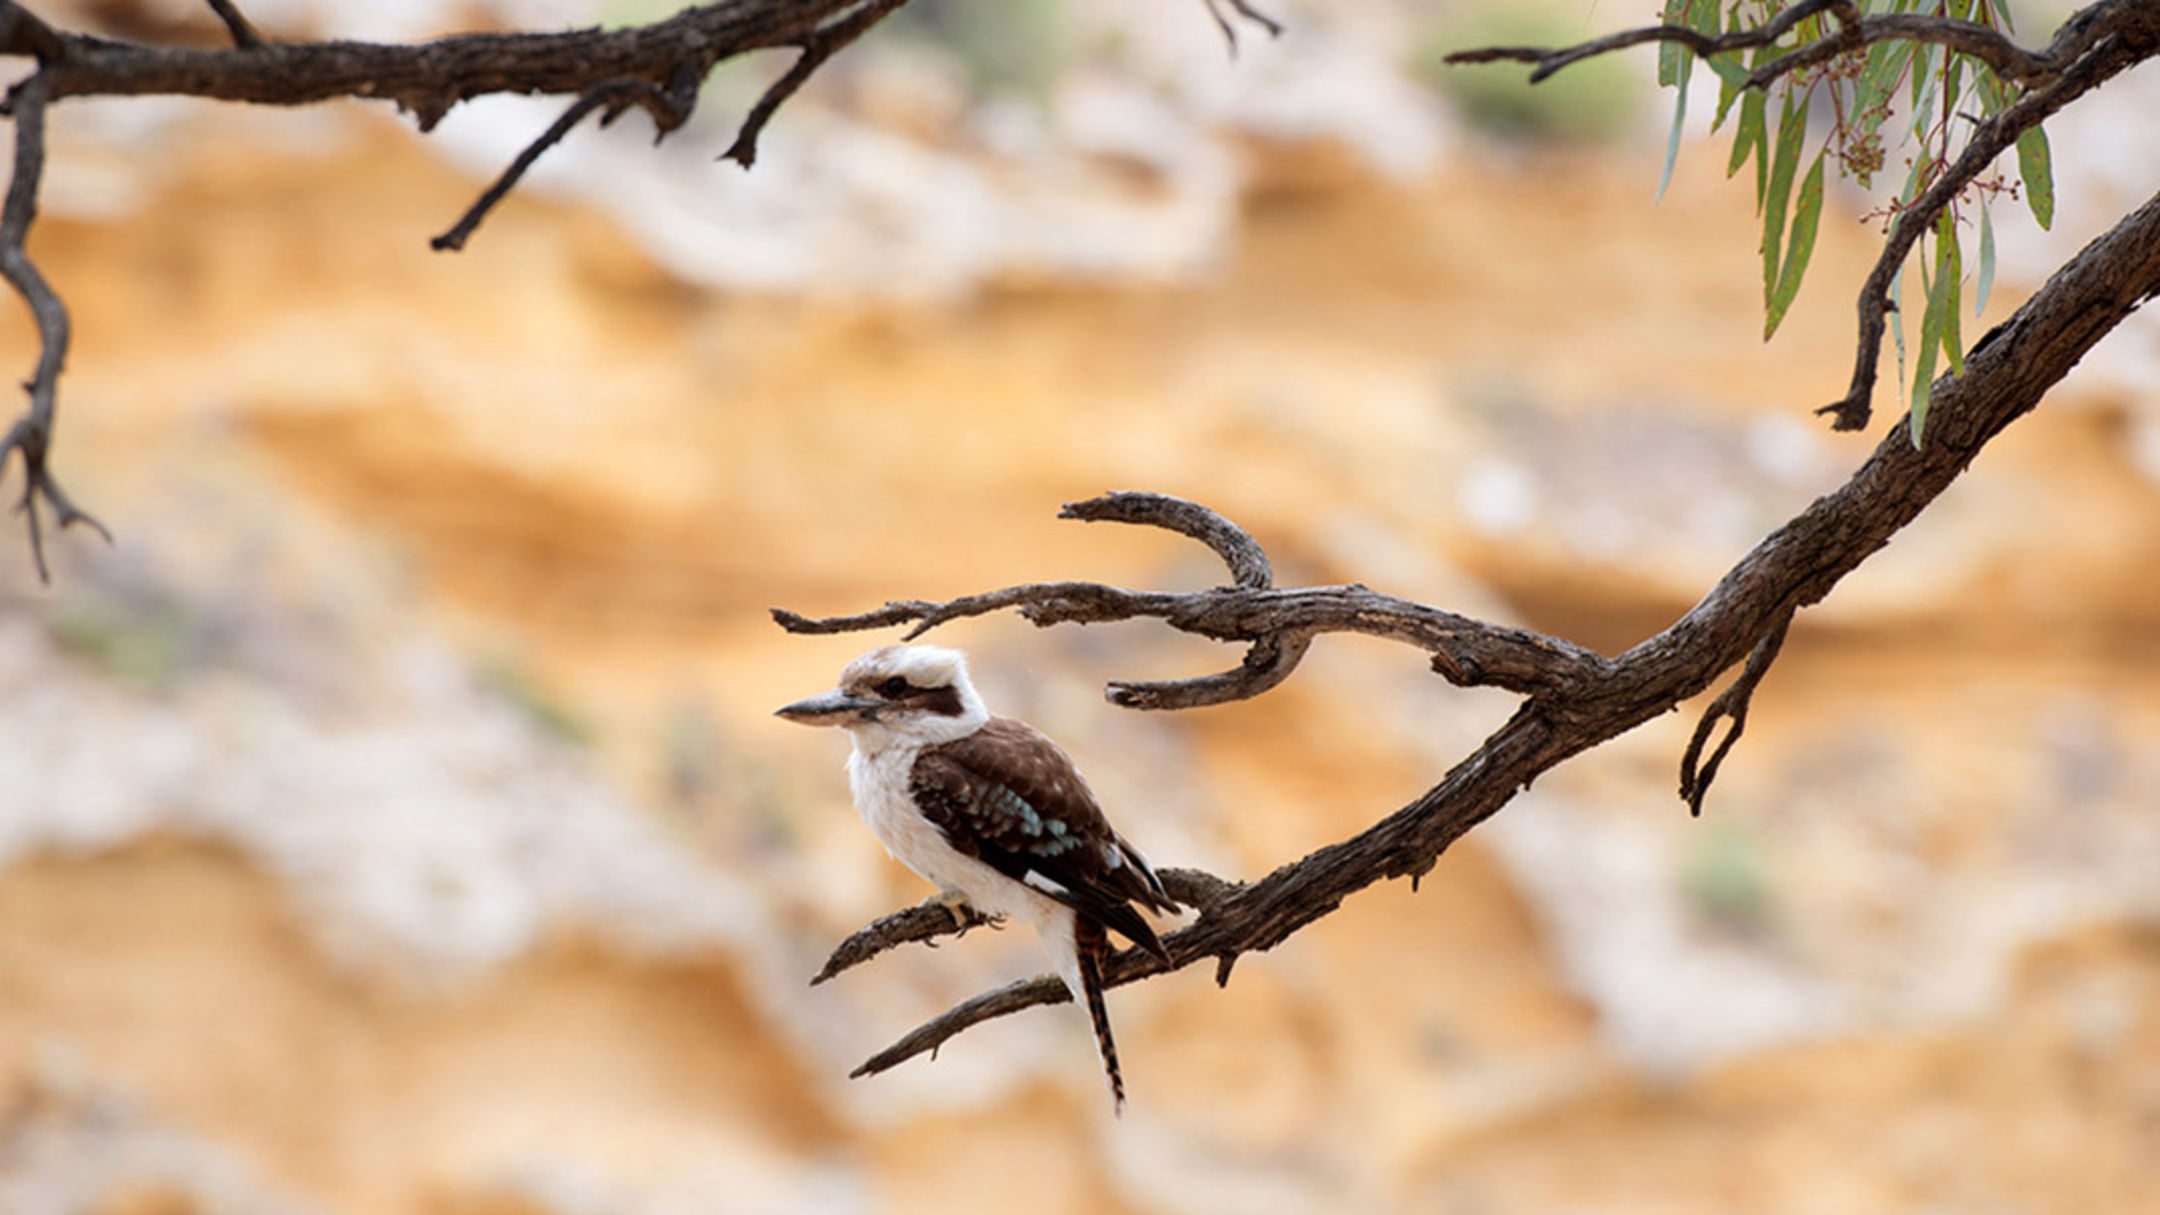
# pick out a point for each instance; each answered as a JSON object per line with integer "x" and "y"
{"x": 32, "y": 434}
{"x": 656, "y": 67}
{"x": 1547, "y": 60}
{"x": 1580, "y": 702}
{"x": 1277, "y": 623}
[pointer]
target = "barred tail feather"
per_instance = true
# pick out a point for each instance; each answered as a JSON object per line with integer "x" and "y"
{"x": 1092, "y": 946}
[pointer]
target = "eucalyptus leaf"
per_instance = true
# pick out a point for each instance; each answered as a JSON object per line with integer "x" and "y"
{"x": 2036, "y": 168}
{"x": 1792, "y": 129}
{"x": 1897, "y": 319}
{"x": 1673, "y": 59}
{"x": 1807, "y": 215}
{"x": 1749, "y": 137}
{"x": 1949, "y": 280}
{"x": 1672, "y": 141}
{"x": 1986, "y": 281}
{"x": 1924, "y": 356}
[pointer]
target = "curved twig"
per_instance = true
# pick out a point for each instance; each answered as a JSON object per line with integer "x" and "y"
{"x": 1247, "y": 561}
{"x": 817, "y": 46}
{"x": 32, "y": 434}
{"x": 1730, "y": 705}
{"x": 243, "y": 32}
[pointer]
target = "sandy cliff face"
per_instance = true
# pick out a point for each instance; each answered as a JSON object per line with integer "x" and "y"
{"x": 393, "y": 819}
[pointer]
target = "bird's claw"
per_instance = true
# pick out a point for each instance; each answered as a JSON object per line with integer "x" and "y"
{"x": 965, "y": 915}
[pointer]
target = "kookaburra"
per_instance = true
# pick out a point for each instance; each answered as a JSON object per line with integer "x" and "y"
{"x": 993, "y": 813}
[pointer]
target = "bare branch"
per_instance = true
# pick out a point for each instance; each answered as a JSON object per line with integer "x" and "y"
{"x": 1278, "y": 623}
{"x": 1582, "y": 705}
{"x": 31, "y": 435}
{"x": 656, "y": 67}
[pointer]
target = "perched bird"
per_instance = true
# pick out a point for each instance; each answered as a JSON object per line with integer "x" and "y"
{"x": 992, "y": 812}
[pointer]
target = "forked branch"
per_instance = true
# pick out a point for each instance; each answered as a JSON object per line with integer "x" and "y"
{"x": 31, "y": 436}
{"x": 1574, "y": 699}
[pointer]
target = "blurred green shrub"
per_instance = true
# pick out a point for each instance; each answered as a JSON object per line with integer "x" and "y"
{"x": 511, "y": 679}
{"x": 148, "y": 642}
{"x": 1725, "y": 879}
{"x": 1591, "y": 102}
{"x": 1002, "y": 46}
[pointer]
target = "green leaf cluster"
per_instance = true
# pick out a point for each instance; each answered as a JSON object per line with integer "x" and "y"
{"x": 1916, "y": 100}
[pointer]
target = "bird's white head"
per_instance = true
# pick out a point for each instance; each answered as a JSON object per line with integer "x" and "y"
{"x": 898, "y": 695}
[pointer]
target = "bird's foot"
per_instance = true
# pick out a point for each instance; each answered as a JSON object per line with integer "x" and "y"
{"x": 965, "y": 915}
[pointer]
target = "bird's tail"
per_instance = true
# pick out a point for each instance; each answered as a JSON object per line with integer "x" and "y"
{"x": 1092, "y": 946}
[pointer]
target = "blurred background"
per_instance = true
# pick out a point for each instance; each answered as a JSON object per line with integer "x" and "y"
{"x": 392, "y": 818}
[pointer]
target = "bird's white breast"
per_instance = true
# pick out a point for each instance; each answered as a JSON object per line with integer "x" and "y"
{"x": 880, "y": 781}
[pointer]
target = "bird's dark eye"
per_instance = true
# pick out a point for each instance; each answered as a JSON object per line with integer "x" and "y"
{"x": 894, "y": 688}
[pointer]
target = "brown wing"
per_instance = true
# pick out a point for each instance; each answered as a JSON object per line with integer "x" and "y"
{"x": 1011, "y": 798}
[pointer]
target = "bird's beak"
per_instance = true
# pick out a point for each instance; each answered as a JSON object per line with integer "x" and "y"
{"x": 826, "y": 709}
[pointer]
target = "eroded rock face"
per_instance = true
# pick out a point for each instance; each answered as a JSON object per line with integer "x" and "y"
{"x": 392, "y": 821}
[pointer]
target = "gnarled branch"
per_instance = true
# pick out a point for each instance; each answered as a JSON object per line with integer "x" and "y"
{"x": 32, "y": 434}
{"x": 1575, "y": 700}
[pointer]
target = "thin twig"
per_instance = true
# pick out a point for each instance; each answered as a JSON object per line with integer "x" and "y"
{"x": 32, "y": 434}
{"x": 614, "y": 94}
{"x": 243, "y": 33}
{"x": 1547, "y": 60}
{"x": 1241, "y": 8}
{"x": 2007, "y": 59}
{"x": 1731, "y": 704}
{"x": 817, "y": 46}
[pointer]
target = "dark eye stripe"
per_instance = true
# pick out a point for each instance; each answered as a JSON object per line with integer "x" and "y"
{"x": 944, "y": 701}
